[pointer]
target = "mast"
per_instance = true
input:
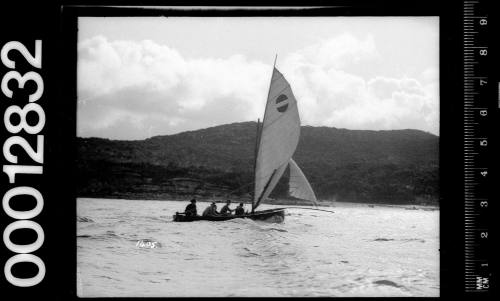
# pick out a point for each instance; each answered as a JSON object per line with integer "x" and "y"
{"x": 256, "y": 150}
{"x": 259, "y": 134}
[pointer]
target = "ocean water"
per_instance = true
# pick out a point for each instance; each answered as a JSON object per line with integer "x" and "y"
{"x": 131, "y": 248}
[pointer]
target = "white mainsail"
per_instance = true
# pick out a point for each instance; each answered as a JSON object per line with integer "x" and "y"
{"x": 278, "y": 140}
{"x": 279, "y": 136}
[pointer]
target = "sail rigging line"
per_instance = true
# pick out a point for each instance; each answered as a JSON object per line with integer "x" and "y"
{"x": 306, "y": 208}
{"x": 268, "y": 94}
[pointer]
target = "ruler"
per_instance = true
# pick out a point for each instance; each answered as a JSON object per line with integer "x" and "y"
{"x": 476, "y": 87}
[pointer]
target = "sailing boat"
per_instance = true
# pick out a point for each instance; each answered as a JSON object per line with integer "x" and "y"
{"x": 276, "y": 144}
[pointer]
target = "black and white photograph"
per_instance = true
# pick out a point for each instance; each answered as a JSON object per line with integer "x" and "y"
{"x": 258, "y": 156}
{"x": 340, "y": 149}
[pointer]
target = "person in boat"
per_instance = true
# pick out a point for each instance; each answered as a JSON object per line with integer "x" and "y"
{"x": 226, "y": 210}
{"x": 211, "y": 210}
{"x": 191, "y": 209}
{"x": 239, "y": 210}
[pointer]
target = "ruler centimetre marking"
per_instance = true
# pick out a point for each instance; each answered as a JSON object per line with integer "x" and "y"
{"x": 475, "y": 144}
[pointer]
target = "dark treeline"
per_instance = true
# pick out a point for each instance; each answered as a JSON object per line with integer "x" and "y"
{"x": 399, "y": 166}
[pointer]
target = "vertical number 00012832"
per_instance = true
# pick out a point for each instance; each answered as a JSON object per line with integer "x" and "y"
{"x": 17, "y": 125}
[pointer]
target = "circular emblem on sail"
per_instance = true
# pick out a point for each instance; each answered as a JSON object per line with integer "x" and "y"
{"x": 283, "y": 106}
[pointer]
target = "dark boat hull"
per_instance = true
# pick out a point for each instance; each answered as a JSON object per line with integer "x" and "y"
{"x": 273, "y": 215}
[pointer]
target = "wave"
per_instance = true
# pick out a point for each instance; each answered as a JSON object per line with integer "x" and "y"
{"x": 273, "y": 229}
{"x": 101, "y": 236}
{"x": 158, "y": 219}
{"x": 83, "y": 219}
{"x": 402, "y": 239}
{"x": 84, "y": 236}
{"x": 249, "y": 253}
{"x": 261, "y": 226}
{"x": 385, "y": 282}
{"x": 413, "y": 239}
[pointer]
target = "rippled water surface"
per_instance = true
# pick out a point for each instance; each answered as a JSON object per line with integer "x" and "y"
{"x": 132, "y": 248}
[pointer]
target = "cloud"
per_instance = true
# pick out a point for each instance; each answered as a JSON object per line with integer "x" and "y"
{"x": 159, "y": 91}
{"x": 338, "y": 53}
{"x": 136, "y": 89}
{"x": 325, "y": 80}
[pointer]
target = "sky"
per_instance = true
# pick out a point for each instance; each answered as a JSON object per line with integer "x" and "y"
{"x": 142, "y": 77}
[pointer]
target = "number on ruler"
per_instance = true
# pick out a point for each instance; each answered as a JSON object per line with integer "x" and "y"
{"x": 484, "y": 173}
{"x": 483, "y": 22}
{"x": 483, "y": 52}
{"x": 483, "y": 142}
{"x": 482, "y": 82}
{"x": 484, "y": 234}
{"x": 482, "y": 283}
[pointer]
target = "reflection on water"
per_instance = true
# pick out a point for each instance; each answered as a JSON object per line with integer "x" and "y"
{"x": 132, "y": 248}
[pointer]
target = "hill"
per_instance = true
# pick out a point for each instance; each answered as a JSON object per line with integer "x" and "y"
{"x": 397, "y": 166}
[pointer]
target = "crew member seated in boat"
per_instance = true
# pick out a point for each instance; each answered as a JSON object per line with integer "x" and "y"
{"x": 226, "y": 210}
{"x": 191, "y": 208}
{"x": 239, "y": 210}
{"x": 211, "y": 210}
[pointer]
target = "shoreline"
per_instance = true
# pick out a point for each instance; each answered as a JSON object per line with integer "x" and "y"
{"x": 283, "y": 202}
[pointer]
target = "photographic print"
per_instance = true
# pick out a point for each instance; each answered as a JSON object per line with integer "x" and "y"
{"x": 258, "y": 157}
